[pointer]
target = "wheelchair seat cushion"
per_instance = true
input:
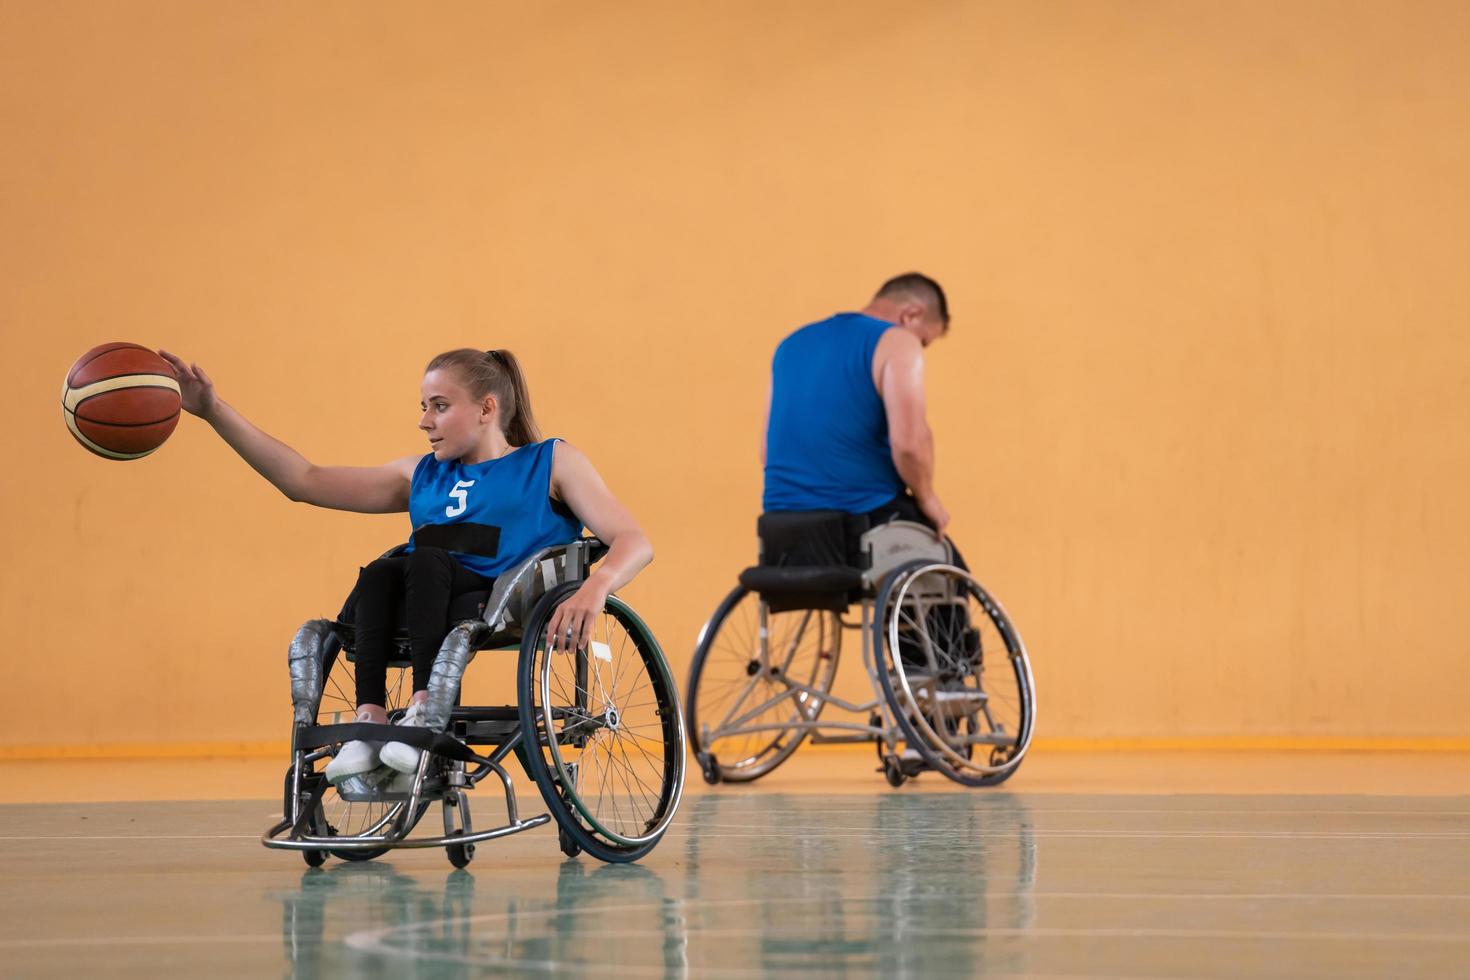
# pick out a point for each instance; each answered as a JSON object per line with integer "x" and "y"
{"x": 801, "y": 578}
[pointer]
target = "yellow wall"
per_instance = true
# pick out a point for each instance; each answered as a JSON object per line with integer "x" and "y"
{"x": 1202, "y": 418}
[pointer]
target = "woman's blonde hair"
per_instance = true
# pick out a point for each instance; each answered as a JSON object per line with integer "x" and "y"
{"x": 498, "y": 373}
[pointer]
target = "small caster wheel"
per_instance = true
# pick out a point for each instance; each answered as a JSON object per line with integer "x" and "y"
{"x": 709, "y": 768}
{"x": 569, "y": 847}
{"x": 460, "y": 855}
{"x": 893, "y": 772}
{"x": 314, "y": 859}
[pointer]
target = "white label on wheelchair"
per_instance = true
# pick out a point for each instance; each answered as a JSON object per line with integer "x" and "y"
{"x": 602, "y": 651}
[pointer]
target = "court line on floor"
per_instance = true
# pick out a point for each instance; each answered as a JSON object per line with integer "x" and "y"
{"x": 1022, "y": 809}
{"x": 379, "y": 942}
{"x": 135, "y": 941}
{"x": 741, "y": 831}
{"x": 827, "y": 830}
{"x": 365, "y": 941}
{"x": 77, "y": 837}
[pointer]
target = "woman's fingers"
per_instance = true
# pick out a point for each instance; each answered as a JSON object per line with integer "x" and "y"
{"x": 571, "y": 631}
{"x": 571, "y": 626}
{"x": 562, "y": 621}
{"x": 181, "y": 370}
{"x": 585, "y": 636}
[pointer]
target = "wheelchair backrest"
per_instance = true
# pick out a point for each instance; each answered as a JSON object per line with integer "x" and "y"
{"x": 890, "y": 545}
{"x": 810, "y": 538}
{"x": 517, "y": 591}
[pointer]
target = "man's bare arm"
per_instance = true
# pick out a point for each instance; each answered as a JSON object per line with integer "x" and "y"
{"x": 900, "y": 378}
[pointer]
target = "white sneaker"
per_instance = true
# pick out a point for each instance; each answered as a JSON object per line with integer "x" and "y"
{"x": 354, "y": 758}
{"x": 400, "y": 755}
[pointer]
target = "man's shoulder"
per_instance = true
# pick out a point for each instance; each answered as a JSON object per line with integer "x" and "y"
{"x": 896, "y": 345}
{"x": 850, "y": 324}
{"x": 816, "y": 326}
{"x": 898, "y": 340}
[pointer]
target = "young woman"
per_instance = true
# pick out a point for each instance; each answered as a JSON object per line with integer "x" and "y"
{"x": 489, "y": 494}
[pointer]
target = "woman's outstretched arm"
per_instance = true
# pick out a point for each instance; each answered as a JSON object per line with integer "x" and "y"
{"x": 365, "y": 489}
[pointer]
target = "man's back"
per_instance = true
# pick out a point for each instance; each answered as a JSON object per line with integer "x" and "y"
{"x": 827, "y": 439}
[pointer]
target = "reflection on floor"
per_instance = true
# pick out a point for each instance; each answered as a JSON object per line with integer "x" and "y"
{"x": 753, "y": 882}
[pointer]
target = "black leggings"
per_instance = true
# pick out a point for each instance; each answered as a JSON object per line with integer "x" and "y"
{"x": 422, "y": 583}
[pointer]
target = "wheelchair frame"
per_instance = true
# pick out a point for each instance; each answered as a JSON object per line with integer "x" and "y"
{"x": 897, "y": 553}
{"x": 448, "y": 766}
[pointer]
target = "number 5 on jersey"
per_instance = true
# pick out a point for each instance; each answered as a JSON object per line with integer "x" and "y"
{"x": 460, "y": 493}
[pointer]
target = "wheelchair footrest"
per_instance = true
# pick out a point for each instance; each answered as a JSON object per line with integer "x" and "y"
{"x": 318, "y": 736}
{"x": 499, "y": 713}
{"x": 486, "y": 732}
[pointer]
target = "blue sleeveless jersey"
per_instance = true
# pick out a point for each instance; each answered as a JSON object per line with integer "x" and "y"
{"x": 493, "y": 515}
{"x": 827, "y": 441}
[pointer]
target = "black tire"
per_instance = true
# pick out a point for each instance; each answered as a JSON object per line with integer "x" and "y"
{"x": 568, "y": 846}
{"x": 580, "y": 818}
{"x": 759, "y": 756}
{"x": 313, "y": 858}
{"x": 460, "y": 855}
{"x": 1015, "y": 650}
{"x": 893, "y": 772}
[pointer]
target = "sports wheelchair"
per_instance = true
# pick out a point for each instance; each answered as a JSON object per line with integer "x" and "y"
{"x": 951, "y": 680}
{"x": 599, "y": 729}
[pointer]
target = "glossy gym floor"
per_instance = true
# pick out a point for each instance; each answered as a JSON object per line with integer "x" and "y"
{"x": 1084, "y": 865}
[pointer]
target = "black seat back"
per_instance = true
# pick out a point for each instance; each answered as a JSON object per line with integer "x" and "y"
{"x": 810, "y": 559}
{"x": 811, "y": 537}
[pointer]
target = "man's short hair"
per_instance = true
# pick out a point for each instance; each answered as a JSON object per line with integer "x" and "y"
{"x": 920, "y": 287}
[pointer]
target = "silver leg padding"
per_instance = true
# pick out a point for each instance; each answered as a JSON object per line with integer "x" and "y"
{"x": 305, "y": 658}
{"x": 455, "y": 655}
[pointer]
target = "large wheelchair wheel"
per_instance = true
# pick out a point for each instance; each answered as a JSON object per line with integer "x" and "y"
{"x": 604, "y": 734}
{"x": 757, "y": 679}
{"x": 955, "y": 672}
{"x": 339, "y": 816}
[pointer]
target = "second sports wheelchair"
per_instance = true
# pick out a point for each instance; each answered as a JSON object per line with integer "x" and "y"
{"x": 952, "y": 685}
{"x": 599, "y": 729}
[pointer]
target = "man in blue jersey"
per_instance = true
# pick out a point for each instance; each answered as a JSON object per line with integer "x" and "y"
{"x": 845, "y": 426}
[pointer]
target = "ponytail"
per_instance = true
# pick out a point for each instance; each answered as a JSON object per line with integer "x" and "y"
{"x": 498, "y": 373}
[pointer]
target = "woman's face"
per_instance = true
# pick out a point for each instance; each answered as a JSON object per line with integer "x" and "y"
{"x": 453, "y": 419}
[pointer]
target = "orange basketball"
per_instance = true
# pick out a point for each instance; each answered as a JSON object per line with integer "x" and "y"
{"x": 121, "y": 401}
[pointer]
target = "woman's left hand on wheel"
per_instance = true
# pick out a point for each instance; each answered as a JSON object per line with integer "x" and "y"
{"x": 571, "y": 624}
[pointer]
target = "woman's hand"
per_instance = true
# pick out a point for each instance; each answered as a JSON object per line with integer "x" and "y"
{"x": 195, "y": 387}
{"x": 571, "y": 624}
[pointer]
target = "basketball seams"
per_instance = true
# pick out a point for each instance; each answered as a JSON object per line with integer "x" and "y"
{"x": 124, "y": 374}
{"x": 126, "y": 440}
{"x": 77, "y": 410}
{"x": 118, "y": 362}
{"x": 104, "y": 349}
{"x": 121, "y": 425}
{"x": 93, "y": 447}
{"x": 72, "y": 398}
